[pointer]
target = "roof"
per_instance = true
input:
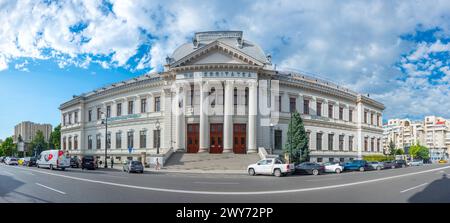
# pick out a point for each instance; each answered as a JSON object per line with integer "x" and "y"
{"x": 230, "y": 38}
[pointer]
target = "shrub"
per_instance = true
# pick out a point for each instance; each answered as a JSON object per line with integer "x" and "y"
{"x": 377, "y": 158}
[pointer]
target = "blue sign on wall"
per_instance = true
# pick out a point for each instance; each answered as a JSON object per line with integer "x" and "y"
{"x": 130, "y": 149}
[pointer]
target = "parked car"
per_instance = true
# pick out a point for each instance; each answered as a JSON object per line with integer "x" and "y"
{"x": 75, "y": 162}
{"x": 376, "y": 165}
{"x": 133, "y": 166}
{"x": 400, "y": 163}
{"x": 388, "y": 165}
{"x": 442, "y": 161}
{"x": 270, "y": 166}
{"x": 53, "y": 159}
{"x": 309, "y": 168}
{"x": 333, "y": 167}
{"x": 360, "y": 165}
{"x": 32, "y": 161}
{"x": 20, "y": 161}
{"x": 2, "y": 159}
{"x": 25, "y": 161}
{"x": 11, "y": 161}
{"x": 89, "y": 162}
{"x": 416, "y": 162}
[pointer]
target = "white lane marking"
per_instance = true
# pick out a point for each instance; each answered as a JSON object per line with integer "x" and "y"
{"x": 8, "y": 173}
{"x": 53, "y": 189}
{"x": 215, "y": 182}
{"x": 412, "y": 188}
{"x": 331, "y": 178}
{"x": 239, "y": 193}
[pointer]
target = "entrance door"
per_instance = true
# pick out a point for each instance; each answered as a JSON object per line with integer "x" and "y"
{"x": 192, "y": 138}
{"x": 239, "y": 138}
{"x": 216, "y": 136}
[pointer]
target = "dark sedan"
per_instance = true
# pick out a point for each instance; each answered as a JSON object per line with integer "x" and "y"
{"x": 89, "y": 162}
{"x": 309, "y": 168}
{"x": 32, "y": 161}
{"x": 388, "y": 165}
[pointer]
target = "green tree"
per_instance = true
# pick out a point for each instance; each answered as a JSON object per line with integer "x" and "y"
{"x": 55, "y": 138}
{"x": 297, "y": 140}
{"x": 392, "y": 149}
{"x": 39, "y": 144}
{"x": 399, "y": 152}
{"x": 419, "y": 151}
{"x": 2, "y": 153}
{"x": 8, "y": 147}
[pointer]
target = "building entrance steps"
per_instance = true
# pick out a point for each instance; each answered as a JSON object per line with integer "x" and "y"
{"x": 207, "y": 161}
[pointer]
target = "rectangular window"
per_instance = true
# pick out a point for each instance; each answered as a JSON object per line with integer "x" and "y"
{"x": 371, "y": 119}
{"x": 75, "y": 142}
{"x": 341, "y": 160}
{"x": 89, "y": 142}
{"x": 246, "y": 96}
{"x": 130, "y": 143}
{"x": 341, "y": 113}
{"x": 331, "y": 159}
{"x": 98, "y": 140}
{"x": 372, "y": 148}
{"x": 108, "y": 140}
{"x": 156, "y": 138}
{"x": 365, "y": 117}
{"x": 378, "y": 120}
{"x": 235, "y": 96}
{"x": 192, "y": 94}
{"x": 330, "y": 141}
{"x": 130, "y": 107}
{"x": 157, "y": 104}
{"x": 143, "y": 105}
{"x": 292, "y": 104}
{"x": 319, "y": 141}
{"x": 70, "y": 142}
{"x": 108, "y": 111}
{"x": 90, "y": 115}
{"x": 64, "y": 120}
{"x": 319, "y": 108}
{"x": 341, "y": 142}
{"x": 350, "y": 143}
{"x": 143, "y": 139}
{"x": 378, "y": 145}
{"x": 118, "y": 140}
{"x": 365, "y": 144}
{"x": 64, "y": 143}
{"x": 279, "y": 103}
{"x": 119, "y": 109}
{"x": 76, "y": 117}
{"x": 319, "y": 159}
{"x": 350, "y": 115}
{"x": 70, "y": 118}
{"x": 306, "y": 107}
{"x": 99, "y": 113}
{"x": 330, "y": 111}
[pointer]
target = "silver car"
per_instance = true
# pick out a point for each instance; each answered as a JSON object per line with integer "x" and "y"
{"x": 133, "y": 166}
{"x": 376, "y": 165}
{"x": 416, "y": 163}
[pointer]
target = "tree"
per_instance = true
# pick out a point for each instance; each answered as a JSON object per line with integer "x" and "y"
{"x": 39, "y": 144}
{"x": 55, "y": 138}
{"x": 392, "y": 149}
{"x": 8, "y": 147}
{"x": 419, "y": 151}
{"x": 297, "y": 140}
{"x": 1, "y": 149}
{"x": 399, "y": 152}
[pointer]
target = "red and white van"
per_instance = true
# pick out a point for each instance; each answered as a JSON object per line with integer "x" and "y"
{"x": 53, "y": 159}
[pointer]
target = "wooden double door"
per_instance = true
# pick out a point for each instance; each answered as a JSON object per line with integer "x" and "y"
{"x": 216, "y": 138}
{"x": 239, "y": 138}
{"x": 192, "y": 138}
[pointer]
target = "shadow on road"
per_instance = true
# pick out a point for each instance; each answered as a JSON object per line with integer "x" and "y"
{"x": 8, "y": 184}
{"x": 436, "y": 192}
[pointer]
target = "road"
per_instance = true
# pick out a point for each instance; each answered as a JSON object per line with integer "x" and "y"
{"x": 427, "y": 183}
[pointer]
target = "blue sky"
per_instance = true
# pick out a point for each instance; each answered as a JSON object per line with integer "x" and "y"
{"x": 397, "y": 51}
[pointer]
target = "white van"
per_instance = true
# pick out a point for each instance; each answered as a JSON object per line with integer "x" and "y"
{"x": 53, "y": 159}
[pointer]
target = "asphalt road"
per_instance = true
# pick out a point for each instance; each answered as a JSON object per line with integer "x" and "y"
{"x": 427, "y": 183}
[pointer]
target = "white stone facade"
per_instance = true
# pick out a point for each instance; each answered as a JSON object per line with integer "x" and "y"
{"x": 221, "y": 94}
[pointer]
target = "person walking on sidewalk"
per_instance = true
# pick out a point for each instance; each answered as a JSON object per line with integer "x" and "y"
{"x": 112, "y": 162}
{"x": 157, "y": 167}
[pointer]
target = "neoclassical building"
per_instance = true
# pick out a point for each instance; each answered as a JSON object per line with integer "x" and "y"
{"x": 220, "y": 93}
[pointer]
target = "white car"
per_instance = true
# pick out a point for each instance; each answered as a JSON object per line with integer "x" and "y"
{"x": 11, "y": 161}
{"x": 416, "y": 163}
{"x": 333, "y": 167}
{"x": 53, "y": 159}
{"x": 270, "y": 166}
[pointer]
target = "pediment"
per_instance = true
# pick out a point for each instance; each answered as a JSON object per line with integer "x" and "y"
{"x": 215, "y": 53}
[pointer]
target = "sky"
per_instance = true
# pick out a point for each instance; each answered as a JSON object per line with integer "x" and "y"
{"x": 395, "y": 51}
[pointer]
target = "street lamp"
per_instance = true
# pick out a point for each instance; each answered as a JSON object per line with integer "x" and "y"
{"x": 158, "y": 136}
{"x": 105, "y": 121}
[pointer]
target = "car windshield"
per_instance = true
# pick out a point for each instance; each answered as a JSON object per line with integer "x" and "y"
{"x": 13, "y": 159}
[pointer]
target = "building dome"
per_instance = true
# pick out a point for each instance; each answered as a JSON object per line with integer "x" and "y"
{"x": 231, "y": 38}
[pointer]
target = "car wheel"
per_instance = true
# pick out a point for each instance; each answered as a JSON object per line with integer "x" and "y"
{"x": 361, "y": 169}
{"x": 338, "y": 170}
{"x": 251, "y": 172}
{"x": 378, "y": 168}
{"x": 315, "y": 172}
{"x": 277, "y": 172}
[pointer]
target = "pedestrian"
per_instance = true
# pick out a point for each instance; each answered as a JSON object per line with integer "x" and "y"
{"x": 157, "y": 167}
{"x": 112, "y": 162}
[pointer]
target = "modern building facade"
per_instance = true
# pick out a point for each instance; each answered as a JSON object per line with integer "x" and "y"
{"x": 433, "y": 132}
{"x": 27, "y": 130}
{"x": 220, "y": 93}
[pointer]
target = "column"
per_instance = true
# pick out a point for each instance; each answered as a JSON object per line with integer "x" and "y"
{"x": 204, "y": 122}
{"x": 228, "y": 117}
{"x": 252, "y": 117}
{"x": 179, "y": 125}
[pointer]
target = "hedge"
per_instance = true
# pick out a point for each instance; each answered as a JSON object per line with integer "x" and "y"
{"x": 377, "y": 158}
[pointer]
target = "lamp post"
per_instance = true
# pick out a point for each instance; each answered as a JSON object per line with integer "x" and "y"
{"x": 158, "y": 136}
{"x": 105, "y": 121}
